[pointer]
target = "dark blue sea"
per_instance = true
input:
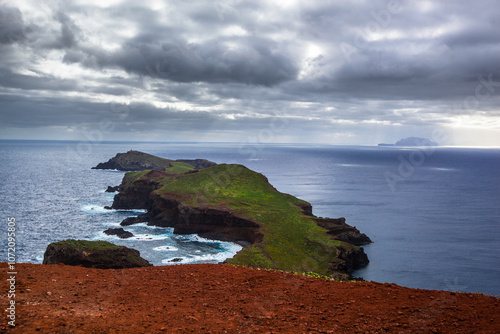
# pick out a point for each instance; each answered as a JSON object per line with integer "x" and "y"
{"x": 433, "y": 214}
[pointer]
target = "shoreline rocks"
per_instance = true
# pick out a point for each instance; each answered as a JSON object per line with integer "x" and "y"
{"x": 112, "y": 189}
{"x": 144, "y": 218}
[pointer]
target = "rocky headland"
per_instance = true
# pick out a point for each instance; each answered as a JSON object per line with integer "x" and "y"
{"x": 93, "y": 254}
{"x": 138, "y": 161}
{"x": 220, "y": 298}
{"x": 230, "y": 202}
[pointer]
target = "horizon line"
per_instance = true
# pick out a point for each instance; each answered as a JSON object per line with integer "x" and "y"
{"x": 228, "y": 142}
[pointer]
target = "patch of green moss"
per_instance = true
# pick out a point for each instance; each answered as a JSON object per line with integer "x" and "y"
{"x": 133, "y": 258}
{"x": 85, "y": 245}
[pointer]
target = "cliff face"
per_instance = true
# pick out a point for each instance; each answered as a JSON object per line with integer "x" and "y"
{"x": 213, "y": 223}
{"x": 233, "y": 203}
{"x": 338, "y": 229}
{"x": 137, "y": 194}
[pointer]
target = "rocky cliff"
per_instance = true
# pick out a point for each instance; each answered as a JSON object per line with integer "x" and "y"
{"x": 233, "y": 203}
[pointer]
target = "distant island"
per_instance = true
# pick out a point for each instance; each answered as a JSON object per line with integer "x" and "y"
{"x": 413, "y": 141}
{"x": 230, "y": 202}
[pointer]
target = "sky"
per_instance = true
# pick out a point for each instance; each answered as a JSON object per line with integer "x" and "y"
{"x": 331, "y": 72}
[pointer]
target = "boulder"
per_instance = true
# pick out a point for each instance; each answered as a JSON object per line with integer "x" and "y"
{"x": 93, "y": 254}
{"x": 121, "y": 233}
{"x": 112, "y": 189}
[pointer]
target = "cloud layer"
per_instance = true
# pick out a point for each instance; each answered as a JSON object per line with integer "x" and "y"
{"x": 334, "y": 72}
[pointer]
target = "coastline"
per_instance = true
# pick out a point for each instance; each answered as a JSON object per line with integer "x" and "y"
{"x": 413, "y": 268}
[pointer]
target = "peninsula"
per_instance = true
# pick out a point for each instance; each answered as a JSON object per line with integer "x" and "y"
{"x": 233, "y": 203}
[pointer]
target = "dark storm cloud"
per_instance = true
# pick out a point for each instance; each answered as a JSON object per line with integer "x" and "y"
{"x": 233, "y": 65}
{"x": 257, "y": 61}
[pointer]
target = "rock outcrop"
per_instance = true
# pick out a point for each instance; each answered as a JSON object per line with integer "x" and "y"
{"x": 93, "y": 254}
{"x": 112, "y": 189}
{"x": 119, "y": 232}
{"x": 135, "y": 220}
{"x": 343, "y": 232}
{"x": 139, "y": 161}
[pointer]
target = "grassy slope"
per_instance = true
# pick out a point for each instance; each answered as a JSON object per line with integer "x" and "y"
{"x": 292, "y": 240}
{"x": 179, "y": 168}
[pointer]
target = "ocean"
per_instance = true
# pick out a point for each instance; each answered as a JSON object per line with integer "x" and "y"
{"x": 433, "y": 214}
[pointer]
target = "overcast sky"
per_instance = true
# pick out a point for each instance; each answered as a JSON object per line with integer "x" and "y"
{"x": 336, "y": 72}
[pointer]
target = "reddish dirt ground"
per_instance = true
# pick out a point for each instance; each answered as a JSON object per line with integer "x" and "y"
{"x": 219, "y": 298}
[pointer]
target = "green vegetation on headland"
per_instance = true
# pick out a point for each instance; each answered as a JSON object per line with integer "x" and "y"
{"x": 232, "y": 202}
{"x": 291, "y": 239}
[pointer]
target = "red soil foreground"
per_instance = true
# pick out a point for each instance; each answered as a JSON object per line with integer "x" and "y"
{"x": 219, "y": 298}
